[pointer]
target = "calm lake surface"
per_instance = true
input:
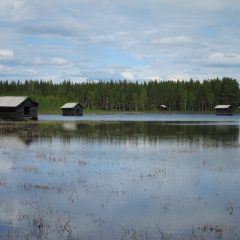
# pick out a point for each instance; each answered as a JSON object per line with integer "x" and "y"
{"x": 120, "y": 177}
{"x": 169, "y": 117}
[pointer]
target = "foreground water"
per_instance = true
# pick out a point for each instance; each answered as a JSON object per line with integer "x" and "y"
{"x": 151, "y": 117}
{"x": 120, "y": 180}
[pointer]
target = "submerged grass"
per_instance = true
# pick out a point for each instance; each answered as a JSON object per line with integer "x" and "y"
{"x": 95, "y": 182}
{"x": 121, "y": 131}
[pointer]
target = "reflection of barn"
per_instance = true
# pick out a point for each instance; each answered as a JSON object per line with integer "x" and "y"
{"x": 18, "y": 108}
{"x": 72, "y": 109}
{"x": 224, "y": 109}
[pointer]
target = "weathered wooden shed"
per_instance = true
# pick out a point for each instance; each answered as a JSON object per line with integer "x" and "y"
{"x": 72, "y": 109}
{"x": 18, "y": 108}
{"x": 224, "y": 109}
{"x": 163, "y": 107}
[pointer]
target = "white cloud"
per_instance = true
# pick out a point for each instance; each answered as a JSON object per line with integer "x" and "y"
{"x": 224, "y": 59}
{"x": 155, "y": 78}
{"x": 59, "y": 61}
{"x": 6, "y": 54}
{"x": 177, "y": 40}
{"x": 46, "y": 62}
{"x": 217, "y": 5}
{"x": 15, "y": 10}
{"x": 128, "y": 75}
{"x": 2, "y": 67}
{"x": 180, "y": 76}
{"x": 31, "y": 72}
{"x": 149, "y": 38}
{"x": 38, "y": 61}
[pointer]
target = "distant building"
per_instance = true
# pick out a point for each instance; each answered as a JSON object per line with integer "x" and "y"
{"x": 163, "y": 107}
{"x": 72, "y": 109}
{"x": 18, "y": 108}
{"x": 224, "y": 109}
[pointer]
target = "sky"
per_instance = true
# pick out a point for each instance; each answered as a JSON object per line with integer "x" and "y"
{"x": 136, "y": 40}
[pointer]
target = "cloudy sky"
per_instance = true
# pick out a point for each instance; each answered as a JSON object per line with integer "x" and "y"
{"x": 119, "y": 39}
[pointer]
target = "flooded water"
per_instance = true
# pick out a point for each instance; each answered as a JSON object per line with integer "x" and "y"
{"x": 151, "y": 117}
{"x": 120, "y": 179}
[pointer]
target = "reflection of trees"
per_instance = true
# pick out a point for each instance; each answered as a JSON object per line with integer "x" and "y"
{"x": 122, "y": 131}
{"x": 25, "y": 132}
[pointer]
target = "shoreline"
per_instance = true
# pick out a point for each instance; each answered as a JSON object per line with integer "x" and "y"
{"x": 105, "y": 112}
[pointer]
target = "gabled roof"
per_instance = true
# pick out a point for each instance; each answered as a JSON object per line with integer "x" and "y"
{"x": 10, "y": 101}
{"x": 222, "y": 106}
{"x": 70, "y": 105}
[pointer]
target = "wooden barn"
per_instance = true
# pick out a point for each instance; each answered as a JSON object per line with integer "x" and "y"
{"x": 224, "y": 109}
{"x": 163, "y": 107}
{"x": 18, "y": 108}
{"x": 72, "y": 109}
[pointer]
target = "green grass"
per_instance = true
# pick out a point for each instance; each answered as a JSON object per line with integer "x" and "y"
{"x": 104, "y": 112}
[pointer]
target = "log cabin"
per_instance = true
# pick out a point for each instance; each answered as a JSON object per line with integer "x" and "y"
{"x": 18, "y": 108}
{"x": 224, "y": 110}
{"x": 72, "y": 109}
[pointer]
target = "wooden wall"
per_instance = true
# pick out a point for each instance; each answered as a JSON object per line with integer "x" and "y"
{"x": 76, "y": 111}
{"x": 18, "y": 113}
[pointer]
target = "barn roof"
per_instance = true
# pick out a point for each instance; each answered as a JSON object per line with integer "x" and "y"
{"x": 10, "y": 101}
{"x": 69, "y": 105}
{"x": 222, "y": 106}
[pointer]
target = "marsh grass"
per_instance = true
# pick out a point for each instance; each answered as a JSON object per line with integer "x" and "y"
{"x": 119, "y": 181}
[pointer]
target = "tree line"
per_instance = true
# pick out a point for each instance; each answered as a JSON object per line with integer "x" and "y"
{"x": 123, "y": 95}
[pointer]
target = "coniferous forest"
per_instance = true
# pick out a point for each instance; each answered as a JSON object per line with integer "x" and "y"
{"x": 199, "y": 96}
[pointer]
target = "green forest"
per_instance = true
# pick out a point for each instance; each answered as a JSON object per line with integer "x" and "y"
{"x": 185, "y": 96}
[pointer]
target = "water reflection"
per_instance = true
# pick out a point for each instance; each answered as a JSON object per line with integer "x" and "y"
{"x": 124, "y": 131}
{"x": 119, "y": 181}
{"x": 68, "y": 126}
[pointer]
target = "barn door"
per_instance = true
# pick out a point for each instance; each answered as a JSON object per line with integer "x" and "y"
{"x": 26, "y": 110}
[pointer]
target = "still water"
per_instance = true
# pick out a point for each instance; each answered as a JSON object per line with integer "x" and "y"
{"x": 120, "y": 180}
{"x": 151, "y": 117}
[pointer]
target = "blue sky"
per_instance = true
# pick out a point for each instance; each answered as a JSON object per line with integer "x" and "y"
{"x": 112, "y": 39}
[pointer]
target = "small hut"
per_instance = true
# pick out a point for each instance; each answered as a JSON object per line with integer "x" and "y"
{"x": 163, "y": 107}
{"x": 18, "y": 108}
{"x": 72, "y": 109}
{"x": 224, "y": 109}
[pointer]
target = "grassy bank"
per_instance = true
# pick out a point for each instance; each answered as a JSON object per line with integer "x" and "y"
{"x": 105, "y": 112}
